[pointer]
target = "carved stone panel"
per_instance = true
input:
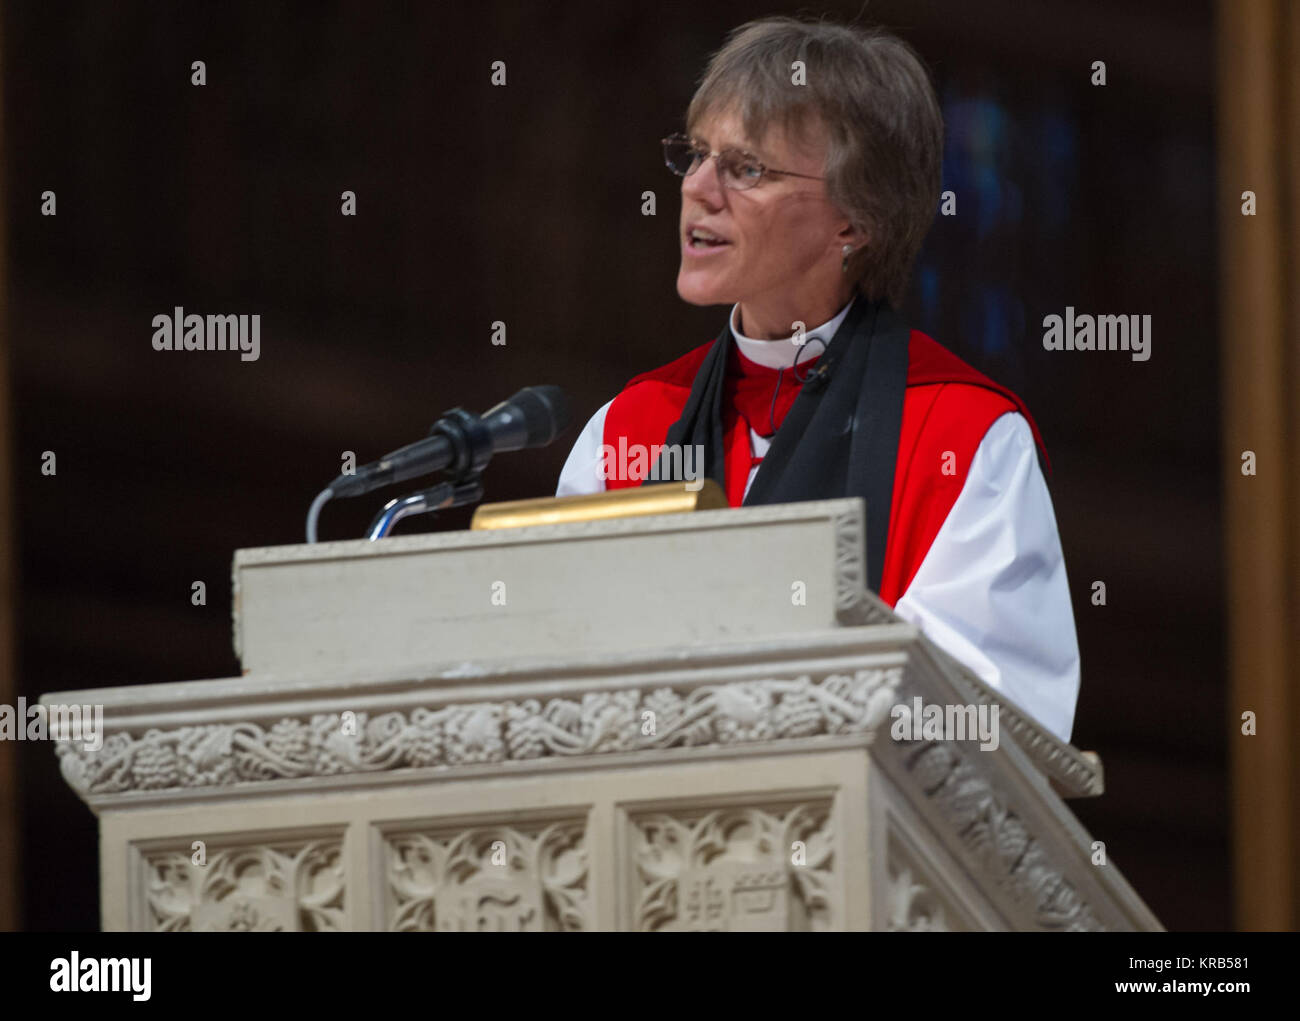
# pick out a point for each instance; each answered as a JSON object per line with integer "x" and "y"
{"x": 997, "y": 840}
{"x": 455, "y": 735}
{"x": 745, "y": 868}
{"x": 913, "y": 906}
{"x": 280, "y": 887}
{"x": 489, "y": 878}
{"x": 914, "y": 897}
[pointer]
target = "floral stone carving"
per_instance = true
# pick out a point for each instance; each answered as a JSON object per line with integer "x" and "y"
{"x": 735, "y": 869}
{"x": 219, "y": 755}
{"x": 261, "y": 888}
{"x": 491, "y": 878}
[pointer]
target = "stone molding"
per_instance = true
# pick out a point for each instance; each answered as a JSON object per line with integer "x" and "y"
{"x": 997, "y": 838}
{"x": 244, "y": 710}
{"x": 230, "y": 755}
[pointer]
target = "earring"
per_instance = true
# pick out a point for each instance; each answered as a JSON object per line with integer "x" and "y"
{"x": 844, "y": 266}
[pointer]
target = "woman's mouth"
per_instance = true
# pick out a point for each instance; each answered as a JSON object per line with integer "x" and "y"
{"x": 702, "y": 242}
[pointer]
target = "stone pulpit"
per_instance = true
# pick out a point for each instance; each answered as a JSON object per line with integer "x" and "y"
{"x": 688, "y": 721}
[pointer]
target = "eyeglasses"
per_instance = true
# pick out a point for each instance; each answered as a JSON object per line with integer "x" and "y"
{"x": 737, "y": 169}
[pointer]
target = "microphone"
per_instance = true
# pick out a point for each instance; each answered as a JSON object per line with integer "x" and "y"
{"x": 463, "y": 442}
{"x": 818, "y": 377}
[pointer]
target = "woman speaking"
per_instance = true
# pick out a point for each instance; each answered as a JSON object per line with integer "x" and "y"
{"x": 810, "y": 170}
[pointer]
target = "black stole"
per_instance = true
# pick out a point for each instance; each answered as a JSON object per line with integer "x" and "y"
{"x": 840, "y": 437}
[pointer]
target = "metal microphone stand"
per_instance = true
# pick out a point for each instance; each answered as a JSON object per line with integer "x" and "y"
{"x": 455, "y": 493}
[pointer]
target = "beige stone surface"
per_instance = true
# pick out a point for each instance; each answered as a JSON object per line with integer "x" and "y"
{"x": 690, "y": 777}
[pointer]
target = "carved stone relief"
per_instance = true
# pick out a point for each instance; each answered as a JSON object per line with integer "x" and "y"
{"x": 252, "y": 888}
{"x": 489, "y": 878}
{"x": 226, "y": 754}
{"x": 998, "y": 840}
{"x": 735, "y": 869}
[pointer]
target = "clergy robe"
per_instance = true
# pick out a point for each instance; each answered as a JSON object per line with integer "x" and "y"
{"x": 972, "y": 555}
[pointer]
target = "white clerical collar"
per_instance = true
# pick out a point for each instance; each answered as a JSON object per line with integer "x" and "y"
{"x": 781, "y": 354}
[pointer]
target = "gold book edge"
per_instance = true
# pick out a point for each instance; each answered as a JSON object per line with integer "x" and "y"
{"x": 636, "y": 501}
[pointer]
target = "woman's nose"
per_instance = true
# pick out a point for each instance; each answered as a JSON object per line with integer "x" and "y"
{"x": 704, "y": 183}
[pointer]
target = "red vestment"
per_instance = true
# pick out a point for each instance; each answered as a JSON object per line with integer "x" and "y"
{"x": 948, "y": 406}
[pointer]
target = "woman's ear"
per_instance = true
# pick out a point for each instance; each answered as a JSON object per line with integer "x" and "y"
{"x": 854, "y": 235}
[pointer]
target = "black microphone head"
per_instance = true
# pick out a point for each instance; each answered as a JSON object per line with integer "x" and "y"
{"x": 533, "y": 417}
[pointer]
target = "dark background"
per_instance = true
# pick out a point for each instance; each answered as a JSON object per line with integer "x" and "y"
{"x": 522, "y": 204}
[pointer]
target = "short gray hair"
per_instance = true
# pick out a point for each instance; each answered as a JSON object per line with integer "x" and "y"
{"x": 872, "y": 95}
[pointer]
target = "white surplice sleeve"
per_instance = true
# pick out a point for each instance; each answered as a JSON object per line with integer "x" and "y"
{"x": 992, "y": 590}
{"x": 581, "y": 472}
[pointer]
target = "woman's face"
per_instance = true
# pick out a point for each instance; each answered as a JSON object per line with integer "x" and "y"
{"x": 784, "y": 239}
